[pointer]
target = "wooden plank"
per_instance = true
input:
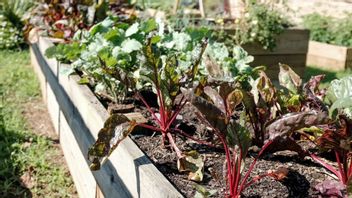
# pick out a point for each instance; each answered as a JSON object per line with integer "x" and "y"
{"x": 296, "y": 62}
{"x": 128, "y": 172}
{"x": 135, "y": 178}
{"x": 327, "y": 51}
{"x": 325, "y": 63}
{"x": 291, "y": 41}
{"x": 53, "y": 108}
{"x": 82, "y": 135}
{"x": 39, "y": 73}
{"x": 81, "y": 174}
{"x": 43, "y": 44}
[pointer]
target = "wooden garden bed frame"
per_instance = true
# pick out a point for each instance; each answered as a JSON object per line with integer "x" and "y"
{"x": 329, "y": 57}
{"x": 77, "y": 116}
{"x": 291, "y": 49}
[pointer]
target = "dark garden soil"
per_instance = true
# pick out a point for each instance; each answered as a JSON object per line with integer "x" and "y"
{"x": 301, "y": 179}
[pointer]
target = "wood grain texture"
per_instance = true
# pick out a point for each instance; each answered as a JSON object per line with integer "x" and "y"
{"x": 291, "y": 41}
{"x": 128, "y": 172}
{"x": 329, "y": 57}
{"x": 296, "y": 62}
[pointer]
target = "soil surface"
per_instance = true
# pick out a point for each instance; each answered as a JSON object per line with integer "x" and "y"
{"x": 303, "y": 176}
{"x": 39, "y": 122}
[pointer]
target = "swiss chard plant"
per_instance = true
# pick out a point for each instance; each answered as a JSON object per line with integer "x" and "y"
{"x": 337, "y": 135}
{"x": 61, "y": 19}
{"x": 108, "y": 55}
{"x": 218, "y": 113}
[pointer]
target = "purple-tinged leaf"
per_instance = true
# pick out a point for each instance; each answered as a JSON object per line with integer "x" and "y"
{"x": 291, "y": 122}
{"x": 116, "y": 128}
{"x": 215, "y": 97}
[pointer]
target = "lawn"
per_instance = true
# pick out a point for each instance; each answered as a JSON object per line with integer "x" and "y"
{"x": 27, "y": 165}
{"x": 329, "y": 75}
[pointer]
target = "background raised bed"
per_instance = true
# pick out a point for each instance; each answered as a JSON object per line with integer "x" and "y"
{"x": 291, "y": 49}
{"x": 329, "y": 57}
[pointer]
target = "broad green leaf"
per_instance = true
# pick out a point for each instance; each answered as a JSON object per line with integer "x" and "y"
{"x": 131, "y": 45}
{"x": 132, "y": 29}
{"x": 155, "y": 39}
{"x": 148, "y": 26}
{"x": 83, "y": 81}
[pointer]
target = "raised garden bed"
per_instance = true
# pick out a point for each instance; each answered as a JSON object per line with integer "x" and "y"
{"x": 329, "y": 57}
{"x": 77, "y": 116}
{"x": 291, "y": 49}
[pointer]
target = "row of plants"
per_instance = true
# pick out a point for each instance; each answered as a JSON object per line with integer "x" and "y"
{"x": 11, "y": 23}
{"x": 239, "y": 104}
{"x": 327, "y": 29}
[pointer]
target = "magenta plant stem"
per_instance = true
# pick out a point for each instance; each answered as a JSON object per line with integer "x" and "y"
{"x": 243, "y": 183}
{"x": 179, "y": 131}
{"x": 327, "y": 166}
{"x": 341, "y": 169}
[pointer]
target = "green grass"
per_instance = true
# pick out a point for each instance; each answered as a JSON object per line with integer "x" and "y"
{"x": 329, "y": 75}
{"x": 22, "y": 151}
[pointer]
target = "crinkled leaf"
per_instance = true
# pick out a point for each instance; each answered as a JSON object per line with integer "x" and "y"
{"x": 131, "y": 45}
{"x": 330, "y": 188}
{"x": 294, "y": 103}
{"x": 289, "y": 79}
{"x": 132, "y": 30}
{"x": 193, "y": 163}
{"x": 116, "y": 128}
{"x": 340, "y": 93}
{"x": 291, "y": 122}
{"x": 239, "y": 135}
{"x": 339, "y": 138}
{"x": 314, "y": 82}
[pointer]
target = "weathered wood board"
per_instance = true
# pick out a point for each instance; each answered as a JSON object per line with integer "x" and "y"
{"x": 329, "y": 57}
{"x": 291, "y": 49}
{"x": 78, "y": 116}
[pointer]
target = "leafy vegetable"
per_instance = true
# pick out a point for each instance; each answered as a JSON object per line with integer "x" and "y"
{"x": 234, "y": 136}
{"x": 116, "y": 128}
{"x": 340, "y": 94}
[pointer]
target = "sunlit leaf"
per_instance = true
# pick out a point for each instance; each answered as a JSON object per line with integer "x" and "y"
{"x": 193, "y": 163}
{"x": 291, "y": 122}
{"x": 132, "y": 30}
{"x": 131, "y": 45}
{"x": 289, "y": 79}
{"x": 116, "y": 128}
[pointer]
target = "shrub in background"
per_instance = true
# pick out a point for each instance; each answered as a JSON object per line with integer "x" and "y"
{"x": 11, "y": 24}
